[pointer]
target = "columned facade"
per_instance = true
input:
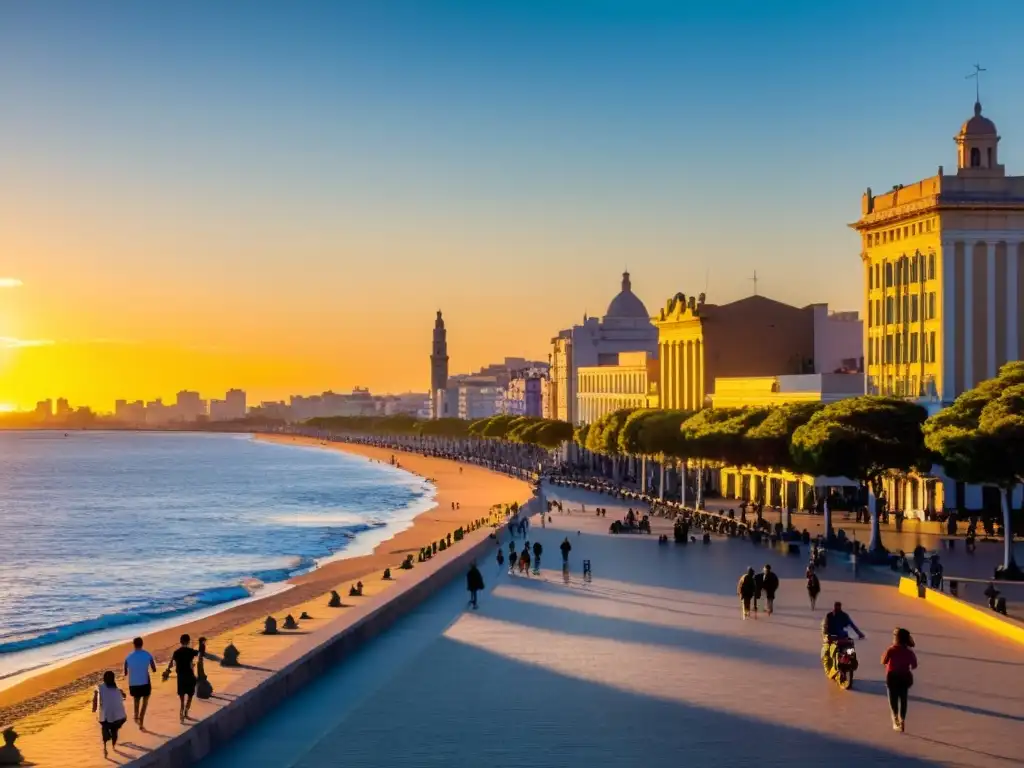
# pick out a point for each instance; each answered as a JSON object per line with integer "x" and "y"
{"x": 943, "y": 267}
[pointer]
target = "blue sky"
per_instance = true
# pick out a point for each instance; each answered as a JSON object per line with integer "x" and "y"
{"x": 478, "y": 151}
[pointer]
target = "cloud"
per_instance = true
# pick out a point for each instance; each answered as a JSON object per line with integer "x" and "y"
{"x": 10, "y": 282}
{"x": 9, "y": 342}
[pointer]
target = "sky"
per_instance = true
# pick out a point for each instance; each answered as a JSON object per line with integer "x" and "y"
{"x": 279, "y": 196}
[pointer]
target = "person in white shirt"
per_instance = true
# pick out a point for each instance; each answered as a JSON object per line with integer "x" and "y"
{"x": 136, "y": 668}
{"x": 108, "y": 700}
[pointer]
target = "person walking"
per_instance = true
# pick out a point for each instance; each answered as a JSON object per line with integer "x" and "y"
{"x": 899, "y": 661}
{"x": 566, "y": 548}
{"x": 770, "y": 583}
{"x": 137, "y": 666}
{"x": 758, "y": 589}
{"x": 474, "y": 583}
{"x": 501, "y": 559}
{"x": 512, "y": 557}
{"x": 181, "y": 661}
{"x": 537, "y": 550}
{"x": 524, "y": 561}
{"x": 813, "y": 586}
{"x": 745, "y": 589}
{"x": 108, "y": 702}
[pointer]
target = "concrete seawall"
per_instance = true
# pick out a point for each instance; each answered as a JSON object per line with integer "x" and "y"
{"x": 330, "y": 649}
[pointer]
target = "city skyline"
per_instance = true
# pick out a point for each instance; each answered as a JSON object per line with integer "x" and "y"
{"x": 283, "y": 202}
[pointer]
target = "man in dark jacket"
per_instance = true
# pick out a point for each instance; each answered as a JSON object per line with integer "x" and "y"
{"x": 745, "y": 589}
{"x": 537, "y": 549}
{"x": 474, "y": 583}
{"x": 565, "y": 547}
{"x": 770, "y": 583}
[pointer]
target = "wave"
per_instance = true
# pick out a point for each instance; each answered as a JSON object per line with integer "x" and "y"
{"x": 155, "y": 611}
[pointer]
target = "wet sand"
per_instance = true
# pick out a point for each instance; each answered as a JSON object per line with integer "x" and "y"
{"x": 40, "y": 700}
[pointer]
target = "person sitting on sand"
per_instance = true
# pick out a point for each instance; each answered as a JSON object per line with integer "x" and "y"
{"x": 181, "y": 661}
{"x": 108, "y": 701}
{"x": 137, "y": 667}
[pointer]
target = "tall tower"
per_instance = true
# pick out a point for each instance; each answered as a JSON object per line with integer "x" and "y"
{"x": 439, "y": 369}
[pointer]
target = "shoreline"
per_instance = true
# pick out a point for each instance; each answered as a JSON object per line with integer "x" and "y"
{"x": 28, "y": 702}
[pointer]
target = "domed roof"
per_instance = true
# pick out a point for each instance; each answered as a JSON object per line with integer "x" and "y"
{"x": 978, "y": 125}
{"x": 627, "y": 305}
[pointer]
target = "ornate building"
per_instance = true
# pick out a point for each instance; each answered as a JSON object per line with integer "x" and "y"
{"x": 439, "y": 405}
{"x": 625, "y": 327}
{"x": 943, "y": 263}
{"x": 632, "y": 382}
{"x": 755, "y": 336}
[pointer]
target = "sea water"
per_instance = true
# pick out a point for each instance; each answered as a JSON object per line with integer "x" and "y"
{"x": 104, "y": 534}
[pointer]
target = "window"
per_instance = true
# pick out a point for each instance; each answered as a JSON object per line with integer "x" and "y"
{"x": 888, "y": 275}
{"x": 906, "y": 231}
{"x": 897, "y": 350}
{"x": 989, "y": 163}
{"x": 931, "y": 305}
{"x": 931, "y": 343}
{"x": 888, "y": 348}
{"x": 871, "y": 352}
{"x": 871, "y": 278}
{"x": 899, "y": 318}
{"x": 878, "y": 275}
{"x": 888, "y": 309}
{"x": 913, "y": 347}
{"x": 913, "y": 309}
{"x": 906, "y": 309}
{"x": 871, "y": 314}
{"x": 913, "y": 269}
{"x": 975, "y": 157}
{"x": 931, "y": 266}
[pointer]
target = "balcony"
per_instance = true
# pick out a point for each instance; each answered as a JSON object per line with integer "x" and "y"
{"x": 908, "y": 387}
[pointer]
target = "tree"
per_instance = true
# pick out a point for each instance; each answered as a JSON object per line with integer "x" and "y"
{"x": 497, "y": 426}
{"x": 767, "y": 444}
{"x": 862, "y": 438}
{"x": 660, "y": 436}
{"x": 979, "y": 439}
{"x": 552, "y": 433}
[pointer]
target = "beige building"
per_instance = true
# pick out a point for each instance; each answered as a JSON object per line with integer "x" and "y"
{"x": 943, "y": 276}
{"x": 625, "y": 327}
{"x": 738, "y": 392}
{"x": 631, "y": 382}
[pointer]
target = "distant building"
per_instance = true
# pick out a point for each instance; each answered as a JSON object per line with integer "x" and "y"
{"x": 44, "y": 410}
{"x": 439, "y": 370}
{"x": 625, "y": 327}
{"x": 188, "y": 406}
{"x": 236, "y": 403}
{"x": 130, "y": 412}
{"x": 626, "y": 380}
{"x": 413, "y": 404}
{"x": 756, "y": 336}
{"x": 524, "y": 394}
{"x": 157, "y": 413}
{"x": 479, "y": 398}
{"x": 763, "y": 391}
{"x": 63, "y": 409}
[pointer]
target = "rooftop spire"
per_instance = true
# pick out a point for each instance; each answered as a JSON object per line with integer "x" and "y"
{"x": 976, "y": 75}
{"x": 625, "y": 282}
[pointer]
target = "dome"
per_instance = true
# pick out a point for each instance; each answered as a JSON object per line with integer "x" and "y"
{"x": 978, "y": 125}
{"x": 626, "y": 306}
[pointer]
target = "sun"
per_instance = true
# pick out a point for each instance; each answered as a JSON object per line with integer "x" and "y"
{"x": 7, "y": 408}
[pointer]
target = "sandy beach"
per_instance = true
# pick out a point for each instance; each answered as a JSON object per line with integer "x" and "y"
{"x": 43, "y": 700}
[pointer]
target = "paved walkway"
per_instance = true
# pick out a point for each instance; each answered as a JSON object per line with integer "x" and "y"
{"x": 649, "y": 662}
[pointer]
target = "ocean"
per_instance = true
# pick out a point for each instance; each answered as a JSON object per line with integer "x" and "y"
{"x": 106, "y": 534}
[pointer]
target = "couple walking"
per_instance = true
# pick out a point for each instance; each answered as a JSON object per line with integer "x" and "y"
{"x": 108, "y": 700}
{"x": 751, "y": 586}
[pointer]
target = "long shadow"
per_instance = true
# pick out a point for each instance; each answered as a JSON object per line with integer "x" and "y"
{"x": 569, "y": 621}
{"x": 877, "y": 688}
{"x": 981, "y": 659}
{"x": 566, "y": 721}
{"x": 947, "y": 744}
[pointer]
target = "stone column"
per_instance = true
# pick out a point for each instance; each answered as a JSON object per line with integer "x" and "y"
{"x": 1012, "y": 308}
{"x": 991, "y": 362}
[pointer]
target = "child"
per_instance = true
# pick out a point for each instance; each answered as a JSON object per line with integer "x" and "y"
{"x": 108, "y": 701}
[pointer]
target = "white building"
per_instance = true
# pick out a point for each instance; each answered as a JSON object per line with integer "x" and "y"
{"x": 480, "y": 398}
{"x": 625, "y": 327}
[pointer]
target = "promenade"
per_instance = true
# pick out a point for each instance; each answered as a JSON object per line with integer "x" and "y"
{"x": 648, "y": 662}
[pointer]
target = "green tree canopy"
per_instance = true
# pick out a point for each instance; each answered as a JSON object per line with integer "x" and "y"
{"x": 630, "y": 442}
{"x": 768, "y": 443}
{"x": 862, "y": 438}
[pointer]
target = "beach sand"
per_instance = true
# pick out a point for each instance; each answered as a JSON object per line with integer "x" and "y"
{"x": 43, "y": 701}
